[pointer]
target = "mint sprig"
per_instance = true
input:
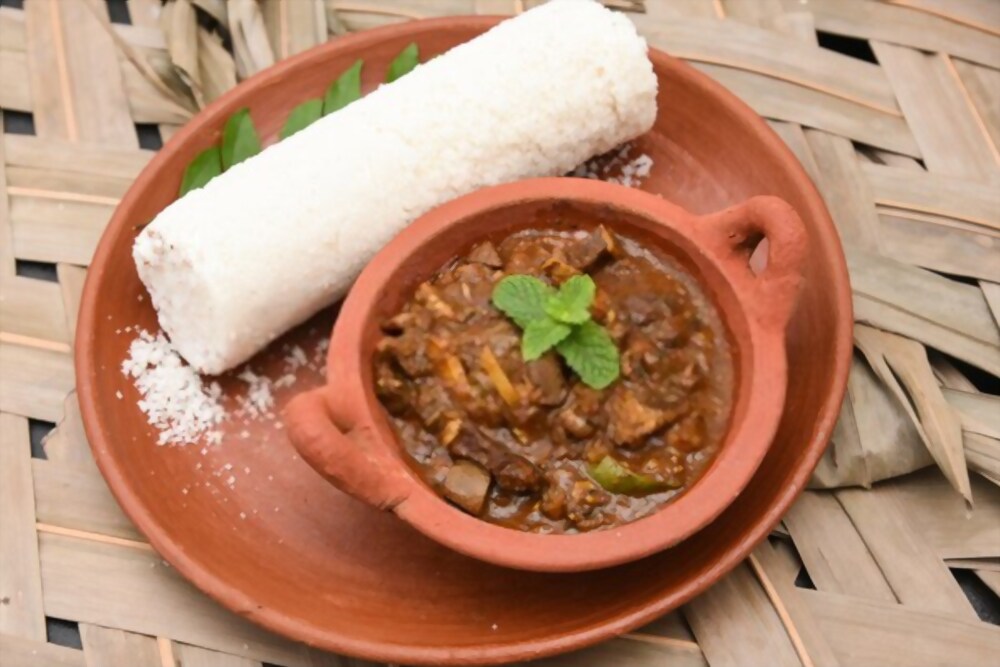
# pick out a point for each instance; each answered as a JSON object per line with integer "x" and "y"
{"x": 561, "y": 320}
{"x": 522, "y": 298}
{"x": 591, "y": 353}
{"x": 541, "y": 335}
{"x": 572, "y": 303}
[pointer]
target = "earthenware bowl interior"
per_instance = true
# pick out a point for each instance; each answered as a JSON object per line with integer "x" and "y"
{"x": 664, "y": 237}
{"x": 313, "y": 564}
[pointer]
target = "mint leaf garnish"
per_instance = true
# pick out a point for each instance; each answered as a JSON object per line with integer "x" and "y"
{"x": 302, "y": 117}
{"x": 540, "y": 336}
{"x": 203, "y": 168}
{"x": 572, "y": 303}
{"x": 592, "y": 354}
{"x": 522, "y": 298}
{"x": 239, "y": 139}
{"x": 344, "y": 90}
{"x": 402, "y": 64}
{"x": 561, "y": 319}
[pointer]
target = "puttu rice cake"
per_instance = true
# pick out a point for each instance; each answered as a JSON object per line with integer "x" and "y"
{"x": 276, "y": 238}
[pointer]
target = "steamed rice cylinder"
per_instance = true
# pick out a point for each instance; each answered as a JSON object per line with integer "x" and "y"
{"x": 276, "y": 238}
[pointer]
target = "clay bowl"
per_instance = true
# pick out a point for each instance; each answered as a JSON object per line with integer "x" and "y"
{"x": 342, "y": 431}
{"x": 333, "y": 572}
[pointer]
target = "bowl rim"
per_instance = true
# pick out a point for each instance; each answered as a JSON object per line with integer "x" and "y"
{"x": 330, "y": 639}
{"x": 758, "y": 392}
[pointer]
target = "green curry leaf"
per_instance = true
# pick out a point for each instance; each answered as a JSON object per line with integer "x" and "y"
{"x": 402, "y": 64}
{"x": 571, "y": 304}
{"x": 540, "y": 336}
{"x": 522, "y": 298}
{"x": 239, "y": 139}
{"x": 302, "y": 117}
{"x": 203, "y": 168}
{"x": 592, "y": 354}
{"x": 343, "y": 91}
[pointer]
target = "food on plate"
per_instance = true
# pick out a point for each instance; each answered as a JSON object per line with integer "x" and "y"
{"x": 281, "y": 234}
{"x": 557, "y": 380}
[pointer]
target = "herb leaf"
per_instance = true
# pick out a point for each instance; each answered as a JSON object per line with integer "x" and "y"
{"x": 616, "y": 478}
{"x": 343, "y": 91}
{"x": 302, "y": 117}
{"x": 540, "y": 336}
{"x": 203, "y": 168}
{"x": 571, "y": 304}
{"x": 239, "y": 139}
{"x": 407, "y": 59}
{"x": 592, "y": 354}
{"x": 522, "y": 298}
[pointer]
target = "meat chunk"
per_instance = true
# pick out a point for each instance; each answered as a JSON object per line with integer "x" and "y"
{"x": 512, "y": 472}
{"x": 688, "y": 434}
{"x": 430, "y": 402}
{"x": 517, "y": 474}
{"x": 408, "y": 351}
{"x": 575, "y": 424}
{"x": 585, "y": 252}
{"x": 580, "y": 416}
{"x": 546, "y": 375}
{"x": 466, "y": 444}
{"x": 629, "y": 420}
{"x": 558, "y": 270}
{"x": 392, "y": 390}
{"x": 572, "y": 496}
{"x": 486, "y": 253}
{"x": 467, "y": 485}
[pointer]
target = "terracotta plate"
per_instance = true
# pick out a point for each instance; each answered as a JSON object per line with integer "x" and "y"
{"x": 257, "y": 529}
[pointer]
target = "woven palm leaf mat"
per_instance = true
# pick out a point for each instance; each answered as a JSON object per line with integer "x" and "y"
{"x": 893, "y": 108}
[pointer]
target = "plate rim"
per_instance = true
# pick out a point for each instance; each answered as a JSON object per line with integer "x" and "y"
{"x": 234, "y": 599}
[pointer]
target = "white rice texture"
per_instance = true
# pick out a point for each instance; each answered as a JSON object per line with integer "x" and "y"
{"x": 276, "y": 238}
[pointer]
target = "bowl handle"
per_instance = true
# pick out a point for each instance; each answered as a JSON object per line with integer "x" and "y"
{"x": 354, "y": 461}
{"x": 729, "y": 235}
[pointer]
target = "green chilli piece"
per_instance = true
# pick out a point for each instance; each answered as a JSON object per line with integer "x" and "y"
{"x": 616, "y": 478}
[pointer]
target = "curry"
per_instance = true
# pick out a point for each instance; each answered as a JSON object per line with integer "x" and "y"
{"x": 603, "y": 405}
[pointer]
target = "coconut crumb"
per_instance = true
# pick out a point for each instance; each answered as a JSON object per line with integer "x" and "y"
{"x": 174, "y": 398}
{"x": 186, "y": 408}
{"x": 617, "y": 167}
{"x": 296, "y": 359}
{"x": 286, "y": 380}
{"x": 259, "y": 400}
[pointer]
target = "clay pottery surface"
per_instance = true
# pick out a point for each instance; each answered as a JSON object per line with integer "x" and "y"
{"x": 345, "y": 434}
{"x": 331, "y": 571}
